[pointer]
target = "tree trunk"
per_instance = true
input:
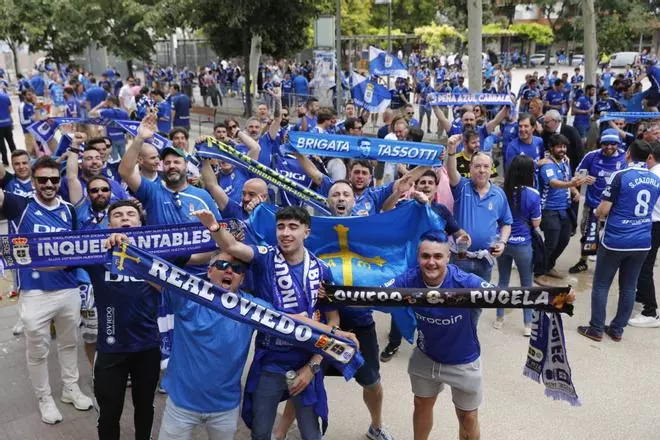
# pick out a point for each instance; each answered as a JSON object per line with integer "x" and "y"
{"x": 247, "y": 111}
{"x": 129, "y": 67}
{"x": 255, "y": 57}
{"x": 17, "y": 70}
{"x": 475, "y": 17}
{"x": 590, "y": 44}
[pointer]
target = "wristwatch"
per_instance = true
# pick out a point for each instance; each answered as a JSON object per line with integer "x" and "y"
{"x": 314, "y": 366}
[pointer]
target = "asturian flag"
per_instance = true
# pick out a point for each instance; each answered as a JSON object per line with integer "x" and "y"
{"x": 368, "y": 94}
{"x": 382, "y": 63}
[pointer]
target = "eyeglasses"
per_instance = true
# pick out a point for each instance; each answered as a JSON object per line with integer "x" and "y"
{"x": 104, "y": 190}
{"x": 224, "y": 264}
{"x": 42, "y": 180}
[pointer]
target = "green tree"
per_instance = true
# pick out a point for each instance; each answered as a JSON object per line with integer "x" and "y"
{"x": 435, "y": 36}
{"x": 406, "y": 15}
{"x": 13, "y": 28}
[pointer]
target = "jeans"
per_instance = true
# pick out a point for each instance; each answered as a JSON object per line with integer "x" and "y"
{"x": 481, "y": 268}
{"x": 522, "y": 255}
{"x": 265, "y": 399}
{"x": 118, "y": 149}
{"x": 645, "y": 285}
{"x": 6, "y": 134}
{"x": 111, "y": 371}
{"x": 629, "y": 264}
{"x": 37, "y": 309}
{"x": 178, "y": 423}
{"x": 395, "y": 336}
{"x": 556, "y": 227}
{"x": 423, "y": 110}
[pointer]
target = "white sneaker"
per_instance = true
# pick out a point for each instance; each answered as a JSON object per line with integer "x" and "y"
{"x": 72, "y": 394}
{"x": 498, "y": 323}
{"x": 49, "y": 412}
{"x": 645, "y": 321}
{"x": 18, "y": 328}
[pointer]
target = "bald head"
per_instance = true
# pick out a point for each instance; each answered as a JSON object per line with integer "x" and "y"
{"x": 254, "y": 189}
{"x": 148, "y": 159}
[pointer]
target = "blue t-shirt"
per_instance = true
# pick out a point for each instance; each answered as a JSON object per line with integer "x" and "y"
{"x": 181, "y": 105}
{"x": 26, "y": 115}
{"x": 554, "y": 199}
{"x": 300, "y": 85}
{"x": 88, "y": 219}
{"x": 232, "y": 183}
{"x": 480, "y": 217}
{"x": 212, "y": 346}
{"x": 117, "y": 192}
{"x": 164, "y": 206}
{"x": 234, "y": 210}
{"x": 95, "y": 95}
{"x": 5, "y": 111}
{"x": 371, "y": 200}
{"x": 115, "y": 133}
{"x": 582, "y": 120}
{"x": 72, "y": 108}
{"x": 19, "y": 187}
{"x": 276, "y": 282}
{"x": 164, "y": 122}
{"x": 601, "y": 167}
{"x": 554, "y": 97}
{"x": 446, "y": 335}
{"x": 528, "y": 210}
{"x": 633, "y": 193}
{"x": 423, "y": 90}
{"x": 28, "y": 215}
{"x": 517, "y": 147}
{"x": 38, "y": 85}
{"x": 127, "y": 310}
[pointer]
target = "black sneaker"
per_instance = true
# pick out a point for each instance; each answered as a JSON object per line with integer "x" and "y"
{"x": 613, "y": 336}
{"x": 590, "y": 332}
{"x": 581, "y": 266}
{"x": 388, "y": 353}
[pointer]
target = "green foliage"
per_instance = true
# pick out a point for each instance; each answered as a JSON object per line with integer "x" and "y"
{"x": 128, "y": 28}
{"x": 434, "y": 37}
{"x": 536, "y": 32}
{"x": 406, "y": 14}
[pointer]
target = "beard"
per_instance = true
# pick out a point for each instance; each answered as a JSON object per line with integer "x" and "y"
{"x": 100, "y": 204}
{"x": 173, "y": 181}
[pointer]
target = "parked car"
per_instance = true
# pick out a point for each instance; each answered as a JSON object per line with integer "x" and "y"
{"x": 538, "y": 59}
{"x": 622, "y": 59}
{"x": 578, "y": 60}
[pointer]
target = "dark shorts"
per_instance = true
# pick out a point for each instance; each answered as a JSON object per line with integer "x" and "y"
{"x": 369, "y": 373}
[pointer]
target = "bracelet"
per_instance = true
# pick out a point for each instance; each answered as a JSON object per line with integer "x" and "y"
{"x": 75, "y": 150}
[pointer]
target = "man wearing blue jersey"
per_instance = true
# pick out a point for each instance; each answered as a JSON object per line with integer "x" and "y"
{"x": 109, "y": 109}
{"x": 47, "y": 296}
{"x": 525, "y": 143}
{"x": 448, "y": 350}
{"x": 176, "y": 200}
{"x": 557, "y": 188}
{"x": 181, "y": 107}
{"x": 6, "y": 128}
{"x": 627, "y": 203}
{"x": 599, "y": 165}
{"x": 94, "y": 94}
{"x": 288, "y": 277}
{"x": 164, "y": 112}
{"x": 583, "y": 109}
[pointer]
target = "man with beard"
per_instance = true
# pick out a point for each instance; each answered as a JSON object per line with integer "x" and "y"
{"x": 471, "y": 144}
{"x": 90, "y": 166}
{"x": 254, "y": 192}
{"x": 557, "y": 189}
{"x": 598, "y": 166}
{"x": 469, "y": 122}
{"x": 47, "y": 296}
{"x": 526, "y": 143}
{"x": 173, "y": 202}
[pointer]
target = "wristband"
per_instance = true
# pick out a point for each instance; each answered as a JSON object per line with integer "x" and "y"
{"x": 75, "y": 150}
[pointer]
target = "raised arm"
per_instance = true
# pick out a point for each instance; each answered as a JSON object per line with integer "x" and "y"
{"x": 310, "y": 169}
{"x": 443, "y": 122}
{"x": 274, "y": 128}
{"x": 96, "y": 111}
{"x": 223, "y": 238}
{"x": 211, "y": 185}
{"x": 450, "y": 164}
{"x": 127, "y": 167}
{"x": 497, "y": 120}
{"x": 253, "y": 146}
{"x": 75, "y": 187}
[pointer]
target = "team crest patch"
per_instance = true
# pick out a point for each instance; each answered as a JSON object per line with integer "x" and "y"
{"x": 63, "y": 215}
{"x": 191, "y": 208}
{"x": 369, "y": 93}
{"x": 21, "y": 250}
{"x": 388, "y": 61}
{"x": 618, "y": 165}
{"x": 490, "y": 206}
{"x": 262, "y": 250}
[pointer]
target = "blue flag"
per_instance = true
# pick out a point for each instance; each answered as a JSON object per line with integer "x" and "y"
{"x": 131, "y": 127}
{"x": 382, "y": 63}
{"x": 370, "y": 95}
{"x": 354, "y": 147}
{"x": 365, "y": 251}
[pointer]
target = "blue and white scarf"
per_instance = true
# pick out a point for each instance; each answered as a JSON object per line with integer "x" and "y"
{"x": 629, "y": 116}
{"x": 354, "y": 147}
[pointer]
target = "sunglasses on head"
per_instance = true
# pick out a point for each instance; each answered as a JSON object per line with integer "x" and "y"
{"x": 104, "y": 190}
{"x": 43, "y": 180}
{"x": 224, "y": 264}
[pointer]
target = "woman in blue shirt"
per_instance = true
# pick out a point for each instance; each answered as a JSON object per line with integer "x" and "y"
{"x": 525, "y": 203}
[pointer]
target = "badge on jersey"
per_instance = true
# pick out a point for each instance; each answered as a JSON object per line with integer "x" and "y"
{"x": 549, "y": 172}
{"x": 263, "y": 250}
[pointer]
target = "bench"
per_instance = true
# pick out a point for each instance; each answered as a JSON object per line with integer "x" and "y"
{"x": 204, "y": 115}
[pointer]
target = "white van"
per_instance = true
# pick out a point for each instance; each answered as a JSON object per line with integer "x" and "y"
{"x": 622, "y": 59}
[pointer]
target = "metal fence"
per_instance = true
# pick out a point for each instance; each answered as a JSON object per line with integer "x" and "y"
{"x": 190, "y": 53}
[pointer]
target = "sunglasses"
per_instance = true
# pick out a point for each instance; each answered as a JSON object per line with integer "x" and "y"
{"x": 224, "y": 264}
{"x": 43, "y": 180}
{"x": 103, "y": 190}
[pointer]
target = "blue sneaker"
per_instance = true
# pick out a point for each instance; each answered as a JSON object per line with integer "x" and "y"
{"x": 378, "y": 434}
